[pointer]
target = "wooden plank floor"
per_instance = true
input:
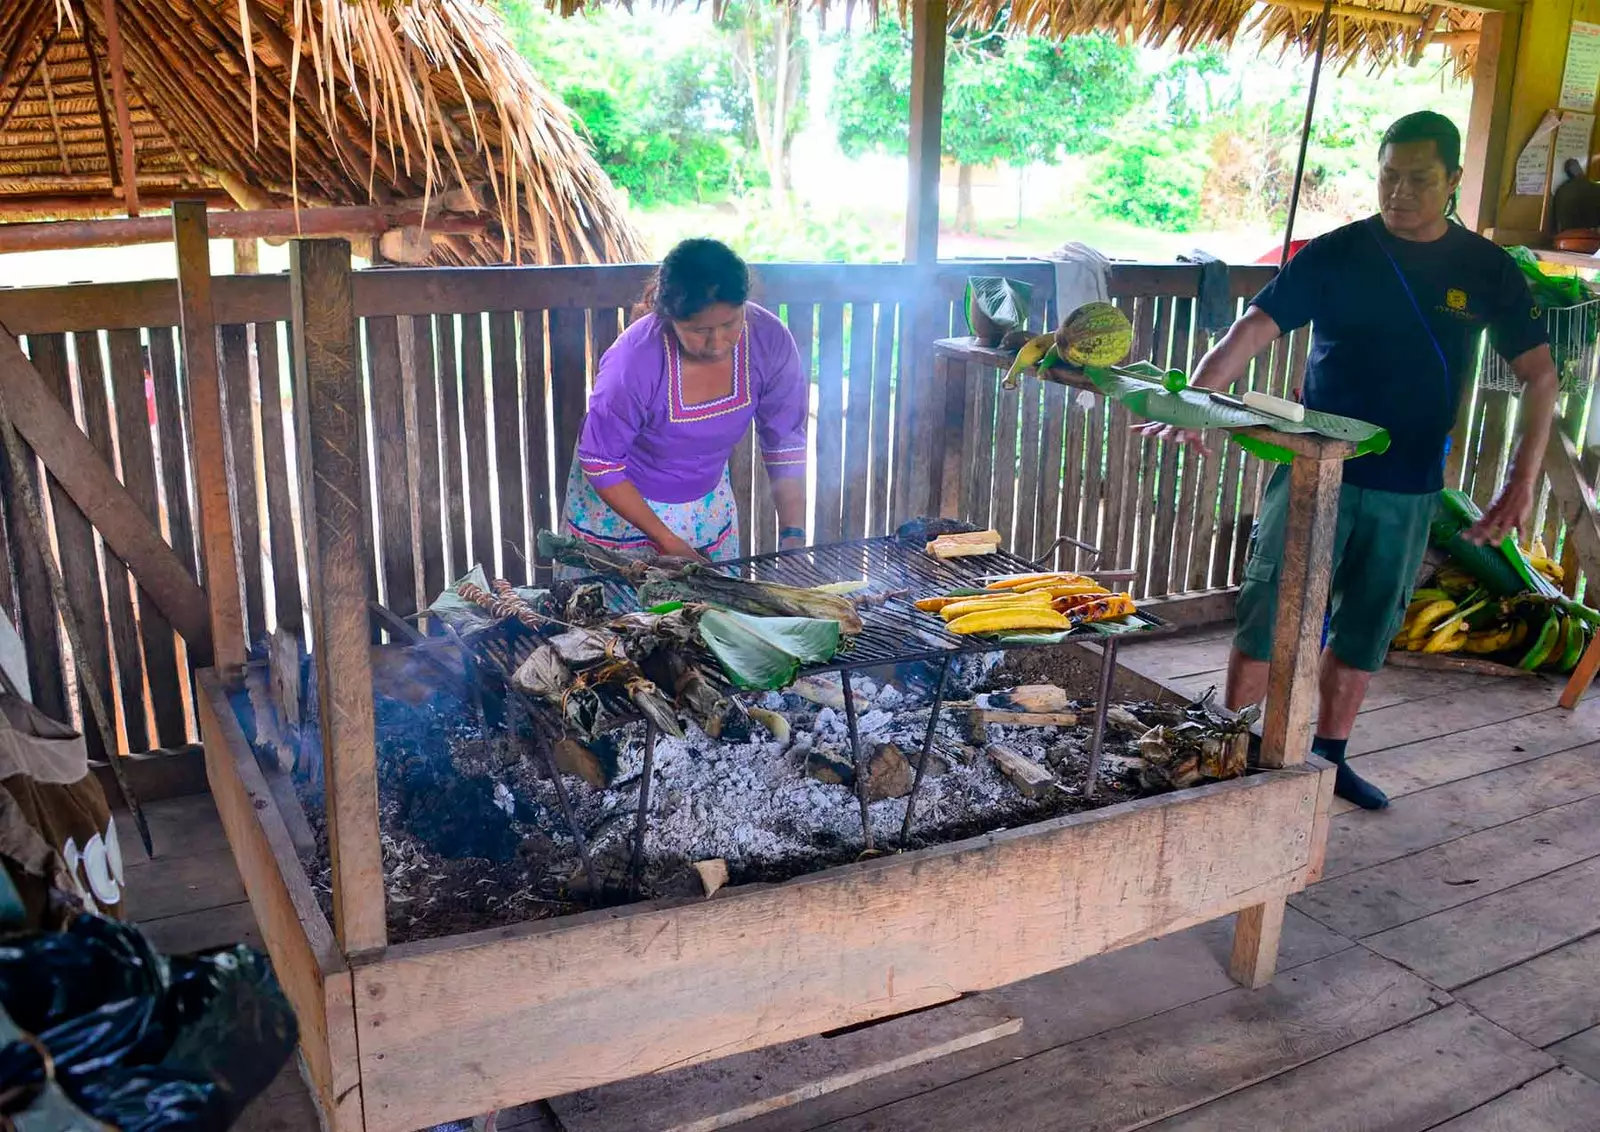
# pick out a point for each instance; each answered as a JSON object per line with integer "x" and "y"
{"x": 1445, "y": 974}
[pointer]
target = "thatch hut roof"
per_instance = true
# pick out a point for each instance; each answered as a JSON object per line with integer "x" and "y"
{"x": 392, "y": 104}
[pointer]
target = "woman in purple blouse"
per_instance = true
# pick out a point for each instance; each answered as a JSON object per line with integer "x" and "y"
{"x": 673, "y": 397}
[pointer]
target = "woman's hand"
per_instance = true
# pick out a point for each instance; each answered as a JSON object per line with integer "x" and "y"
{"x": 672, "y": 546}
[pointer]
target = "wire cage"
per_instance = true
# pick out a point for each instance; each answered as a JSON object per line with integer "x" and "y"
{"x": 1573, "y": 332}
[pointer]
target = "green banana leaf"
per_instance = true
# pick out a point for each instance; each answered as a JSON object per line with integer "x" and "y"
{"x": 1144, "y": 389}
{"x": 766, "y": 653}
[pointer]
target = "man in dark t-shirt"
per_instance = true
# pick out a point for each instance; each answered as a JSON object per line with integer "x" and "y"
{"x": 1397, "y": 304}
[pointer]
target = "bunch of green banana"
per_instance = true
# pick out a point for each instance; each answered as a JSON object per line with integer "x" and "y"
{"x": 1558, "y": 642}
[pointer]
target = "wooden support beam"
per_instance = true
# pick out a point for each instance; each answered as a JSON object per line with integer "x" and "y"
{"x": 206, "y": 434}
{"x": 1573, "y": 499}
{"x": 1489, "y": 118}
{"x": 928, "y": 21}
{"x": 68, "y": 204}
{"x": 329, "y": 420}
{"x": 1303, "y": 576}
{"x": 50, "y": 430}
{"x": 55, "y": 118}
{"x": 27, "y": 77}
{"x": 272, "y": 223}
{"x": 119, "y": 97}
{"x": 99, "y": 92}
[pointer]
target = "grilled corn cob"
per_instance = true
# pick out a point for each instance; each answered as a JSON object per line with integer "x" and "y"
{"x": 1007, "y": 618}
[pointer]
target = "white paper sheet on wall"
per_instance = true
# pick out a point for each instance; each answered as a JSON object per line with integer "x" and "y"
{"x": 1582, "y": 76}
{"x": 1533, "y": 164}
{"x": 1572, "y": 140}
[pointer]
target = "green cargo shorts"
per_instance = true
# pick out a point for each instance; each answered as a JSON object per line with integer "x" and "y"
{"x": 1378, "y": 546}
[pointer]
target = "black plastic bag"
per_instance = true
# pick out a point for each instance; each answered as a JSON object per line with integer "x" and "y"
{"x": 142, "y": 1042}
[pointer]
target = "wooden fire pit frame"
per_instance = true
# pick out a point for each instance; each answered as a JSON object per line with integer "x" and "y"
{"x": 445, "y": 1028}
{"x": 394, "y": 1038}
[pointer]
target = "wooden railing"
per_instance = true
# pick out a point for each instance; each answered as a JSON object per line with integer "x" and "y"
{"x": 476, "y": 387}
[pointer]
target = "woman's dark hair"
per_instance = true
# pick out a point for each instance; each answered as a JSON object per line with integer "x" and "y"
{"x": 695, "y": 275}
{"x": 1423, "y": 126}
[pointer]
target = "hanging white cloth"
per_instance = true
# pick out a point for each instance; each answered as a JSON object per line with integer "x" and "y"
{"x": 1082, "y": 276}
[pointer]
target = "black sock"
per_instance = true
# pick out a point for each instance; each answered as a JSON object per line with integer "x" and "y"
{"x": 1348, "y": 784}
{"x": 1330, "y": 749}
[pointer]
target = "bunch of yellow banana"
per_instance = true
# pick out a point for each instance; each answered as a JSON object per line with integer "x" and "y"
{"x": 1437, "y": 623}
{"x": 1541, "y": 561}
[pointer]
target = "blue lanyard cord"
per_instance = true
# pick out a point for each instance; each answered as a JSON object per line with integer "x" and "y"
{"x": 1449, "y": 378}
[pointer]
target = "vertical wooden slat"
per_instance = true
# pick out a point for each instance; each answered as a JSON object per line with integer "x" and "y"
{"x": 536, "y": 421}
{"x": 1165, "y": 562}
{"x": 328, "y": 426}
{"x": 174, "y": 452}
{"x": 1204, "y": 470}
{"x": 139, "y": 477}
{"x": 801, "y": 320}
{"x": 950, "y": 394}
{"x": 475, "y": 420}
{"x": 1052, "y": 446}
{"x": 234, "y": 353}
{"x": 1069, "y": 518}
{"x": 605, "y": 327}
{"x": 1023, "y": 542}
{"x": 1182, "y": 489}
{"x": 763, "y": 512}
{"x": 35, "y": 602}
{"x": 1486, "y": 464}
{"x": 207, "y": 434}
{"x": 976, "y": 439}
{"x": 75, "y": 544}
{"x": 126, "y": 649}
{"x": 741, "y": 473}
{"x": 508, "y": 455}
{"x": 1004, "y": 483}
{"x": 393, "y": 536}
{"x": 882, "y": 415}
{"x": 276, "y": 435}
{"x": 830, "y": 423}
{"x": 858, "y": 422}
{"x": 568, "y": 391}
{"x": 453, "y": 476}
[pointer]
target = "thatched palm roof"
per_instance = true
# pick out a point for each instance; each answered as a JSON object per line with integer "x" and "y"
{"x": 392, "y": 103}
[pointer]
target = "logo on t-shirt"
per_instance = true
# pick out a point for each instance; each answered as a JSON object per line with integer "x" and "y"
{"x": 1456, "y": 299}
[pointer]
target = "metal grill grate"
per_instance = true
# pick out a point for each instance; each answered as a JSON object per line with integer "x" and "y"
{"x": 893, "y": 631}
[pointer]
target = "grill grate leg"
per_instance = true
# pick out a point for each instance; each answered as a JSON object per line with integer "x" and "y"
{"x": 1108, "y": 666}
{"x": 855, "y": 754}
{"x": 636, "y": 865}
{"x": 927, "y": 748}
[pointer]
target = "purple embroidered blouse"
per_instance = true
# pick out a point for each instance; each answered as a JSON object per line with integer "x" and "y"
{"x": 639, "y": 428}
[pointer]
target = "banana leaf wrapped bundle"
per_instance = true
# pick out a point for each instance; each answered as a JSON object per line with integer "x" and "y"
{"x": 764, "y": 599}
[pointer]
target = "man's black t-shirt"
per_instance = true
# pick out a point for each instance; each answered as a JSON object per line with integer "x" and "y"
{"x": 1372, "y": 354}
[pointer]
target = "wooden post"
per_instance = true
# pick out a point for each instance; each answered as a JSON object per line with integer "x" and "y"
{"x": 119, "y": 95}
{"x": 206, "y": 433}
{"x": 928, "y": 21}
{"x": 1489, "y": 118}
{"x": 1303, "y": 575}
{"x": 246, "y": 256}
{"x": 328, "y": 428}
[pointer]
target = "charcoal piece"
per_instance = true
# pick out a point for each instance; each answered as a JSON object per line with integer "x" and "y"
{"x": 920, "y": 532}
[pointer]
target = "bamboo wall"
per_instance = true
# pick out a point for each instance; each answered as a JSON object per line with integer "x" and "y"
{"x": 476, "y": 384}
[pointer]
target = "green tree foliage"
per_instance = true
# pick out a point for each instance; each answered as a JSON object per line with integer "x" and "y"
{"x": 668, "y": 126}
{"x": 1016, "y": 101}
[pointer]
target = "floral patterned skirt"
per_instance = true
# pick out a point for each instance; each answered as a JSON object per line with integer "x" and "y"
{"x": 710, "y": 523}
